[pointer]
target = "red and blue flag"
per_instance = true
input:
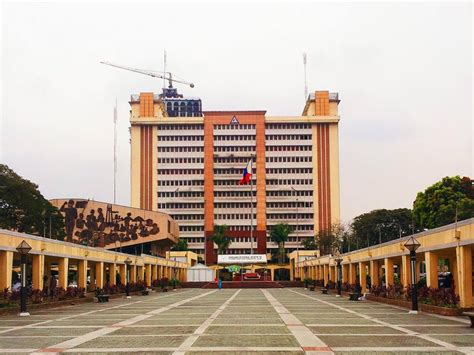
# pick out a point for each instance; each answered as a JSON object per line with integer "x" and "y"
{"x": 247, "y": 174}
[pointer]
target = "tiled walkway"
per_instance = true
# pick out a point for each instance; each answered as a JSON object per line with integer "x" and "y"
{"x": 269, "y": 321}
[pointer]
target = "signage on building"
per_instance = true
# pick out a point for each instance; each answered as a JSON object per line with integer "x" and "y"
{"x": 234, "y": 120}
{"x": 242, "y": 259}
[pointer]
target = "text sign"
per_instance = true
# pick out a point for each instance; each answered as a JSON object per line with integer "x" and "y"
{"x": 242, "y": 259}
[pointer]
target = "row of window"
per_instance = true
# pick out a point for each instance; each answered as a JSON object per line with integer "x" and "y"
{"x": 180, "y": 194}
{"x": 234, "y": 126}
{"x": 295, "y": 204}
{"x": 290, "y": 182}
{"x": 290, "y": 216}
{"x": 231, "y": 160}
{"x": 288, "y": 148}
{"x": 225, "y": 182}
{"x": 180, "y": 171}
{"x": 287, "y": 125}
{"x": 180, "y": 149}
{"x": 243, "y": 148}
{"x": 229, "y": 171}
{"x": 172, "y": 205}
{"x": 182, "y": 228}
{"x": 181, "y": 127}
{"x": 234, "y": 216}
{"x": 289, "y": 170}
{"x": 235, "y": 205}
{"x": 235, "y": 138}
{"x": 180, "y": 138}
{"x": 188, "y": 217}
{"x": 180, "y": 160}
{"x": 191, "y": 228}
{"x": 180, "y": 183}
{"x": 234, "y": 193}
{"x": 289, "y": 193}
{"x": 286, "y": 137}
{"x": 283, "y": 159}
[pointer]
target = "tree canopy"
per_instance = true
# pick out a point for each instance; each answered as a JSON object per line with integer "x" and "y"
{"x": 181, "y": 245}
{"x": 24, "y": 209}
{"x": 436, "y": 206}
{"x": 220, "y": 238}
{"x": 279, "y": 234}
{"x": 330, "y": 239}
{"x": 379, "y": 226}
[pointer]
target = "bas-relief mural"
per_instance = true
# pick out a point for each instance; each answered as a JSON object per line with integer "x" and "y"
{"x": 101, "y": 228}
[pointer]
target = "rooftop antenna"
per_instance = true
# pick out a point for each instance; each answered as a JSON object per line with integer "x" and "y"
{"x": 115, "y": 151}
{"x": 305, "y": 85}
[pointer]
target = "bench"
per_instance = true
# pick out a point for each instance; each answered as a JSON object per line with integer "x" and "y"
{"x": 324, "y": 291}
{"x": 354, "y": 296}
{"x": 471, "y": 316}
{"x": 102, "y": 298}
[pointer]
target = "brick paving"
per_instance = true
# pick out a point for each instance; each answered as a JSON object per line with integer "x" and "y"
{"x": 231, "y": 321}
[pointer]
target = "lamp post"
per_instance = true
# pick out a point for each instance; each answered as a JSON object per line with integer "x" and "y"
{"x": 338, "y": 260}
{"x": 127, "y": 262}
{"x": 412, "y": 244}
{"x": 24, "y": 248}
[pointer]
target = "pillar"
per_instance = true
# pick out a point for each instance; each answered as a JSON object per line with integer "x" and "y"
{"x": 363, "y": 276}
{"x": 92, "y": 276}
{"x": 352, "y": 274}
{"x": 154, "y": 273}
{"x": 148, "y": 274}
{"x": 133, "y": 273}
{"x": 141, "y": 273}
{"x": 330, "y": 273}
{"x": 113, "y": 273}
{"x": 272, "y": 274}
{"x": 418, "y": 264}
{"x": 325, "y": 274}
{"x": 38, "y": 271}
{"x": 63, "y": 268}
{"x": 453, "y": 269}
{"x": 99, "y": 274}
{"x": 292, "y": 274}
{"x": 6, "y": 265}
{"x": 82, "y": 273}
{"x": 388, "y": 271}
{"x": 345, "y": 272}
{"x": 431, "y": 261}
{"x": 374, "y": 272}
{"x": 405, "y": 269}
{"x": 464, "y": 268}
{"x": 123, "y": 273}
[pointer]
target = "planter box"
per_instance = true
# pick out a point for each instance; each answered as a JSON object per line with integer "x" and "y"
{"x": 444, "y": 311}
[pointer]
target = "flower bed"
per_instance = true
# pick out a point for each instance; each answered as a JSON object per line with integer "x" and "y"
{"x": 36, "y": 296}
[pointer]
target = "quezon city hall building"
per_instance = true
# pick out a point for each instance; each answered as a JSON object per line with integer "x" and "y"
{"x": 188, "y": 163}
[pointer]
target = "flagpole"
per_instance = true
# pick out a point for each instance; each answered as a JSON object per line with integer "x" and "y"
{"x": 251, "y": 205}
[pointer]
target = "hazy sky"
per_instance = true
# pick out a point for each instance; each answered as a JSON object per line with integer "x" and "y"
{"x": 403, "y": 72}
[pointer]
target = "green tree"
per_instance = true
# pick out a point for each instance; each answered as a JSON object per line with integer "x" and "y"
{"x": 379, "y": 225}
{"x": 24, "y": 209}
{"x": 220, "y": 238}
{"x": 181, "y": 245}
{"x": 309, "y": 243}
{"x": 279, "y": 234}
{"x": 436, "y": 206}
{"x": 330, "y": 239}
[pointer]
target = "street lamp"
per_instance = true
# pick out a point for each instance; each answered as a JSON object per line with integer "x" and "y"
{"x": 338, "y": 260}
{"x": 24, "y": 248}
{"x": 412, "y": 244}
{"x": 127, "y": 262}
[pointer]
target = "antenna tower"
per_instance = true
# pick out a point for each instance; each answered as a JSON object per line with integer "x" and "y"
{"x": 305, "y": 85}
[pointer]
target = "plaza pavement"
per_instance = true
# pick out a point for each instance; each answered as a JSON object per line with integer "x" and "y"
{"x": 247, "y": 321}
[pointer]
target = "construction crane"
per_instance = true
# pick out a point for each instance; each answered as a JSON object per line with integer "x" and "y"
{"x": 151, "y": 73}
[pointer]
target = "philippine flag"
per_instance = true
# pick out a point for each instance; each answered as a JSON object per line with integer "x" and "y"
{"x": 247, "y": 174}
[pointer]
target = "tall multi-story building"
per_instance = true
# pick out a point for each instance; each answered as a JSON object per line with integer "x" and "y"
{"x": 190, "y": 167}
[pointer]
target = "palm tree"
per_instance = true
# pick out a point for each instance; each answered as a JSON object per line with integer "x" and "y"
{"x": 220, "y": 238}
{"x": 279, "y": 235}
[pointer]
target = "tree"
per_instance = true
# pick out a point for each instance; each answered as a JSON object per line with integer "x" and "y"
{"x": 330, "y": 239}
{"x": 24, "y": 209}
{"x": 380, "y": 226}
{"x": 279, "y": 234}
{"x": 220, "y": 238}
{"x": 436, "y": 206}
{"x": 309, "y": 244}
{"x": 181, "y": 245}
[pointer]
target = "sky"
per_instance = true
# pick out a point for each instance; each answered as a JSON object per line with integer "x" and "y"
{"x": 403, "y": 72}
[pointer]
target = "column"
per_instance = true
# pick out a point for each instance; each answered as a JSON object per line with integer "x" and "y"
{"x": 123, "y": 273}
{"x": 38, "y": 271}
{"x": 272, "y": 274}
{"x": 418, "y": 264}
{"x": 99, "y": 274}
{"x": 292, "y": 275}
{"x": 154, "y": 273}
{"x": 6, "y": 265}
{"x": 388, "y": 272}
{"x": 330, "y": 273}
{"x": 345, "y": 272}
{"x": 63, "y": 266}
{"x": 405, "y": 269}
{"x": 113, "y": 273}
{"x": 374, "y": 272}
{"x": 141, "y": 273}
{"x": 431, "y": 261}
{"x": 92, "y": 273}
{"x": 133, "y": 273}
{"x": 453, "y": 268}
{"x": 352, "y": 273}
{"x": 325, "y": 274}
{"x": 82, "y": 273}
{"x": 464, "y": 268}
{"x": 363, "y": 276}
{"x": 148, "y": 274}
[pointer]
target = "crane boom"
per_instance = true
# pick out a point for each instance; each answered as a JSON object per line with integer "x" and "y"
{"x": 151, "y": 73}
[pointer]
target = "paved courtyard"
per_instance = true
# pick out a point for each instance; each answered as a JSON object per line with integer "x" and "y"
{"x": 268, "y": 321}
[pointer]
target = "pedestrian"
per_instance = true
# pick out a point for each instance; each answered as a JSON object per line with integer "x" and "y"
{"x": 219, "y": 283}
